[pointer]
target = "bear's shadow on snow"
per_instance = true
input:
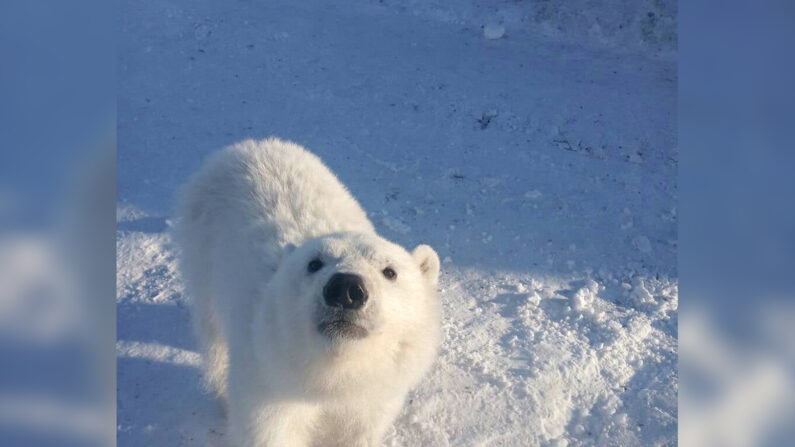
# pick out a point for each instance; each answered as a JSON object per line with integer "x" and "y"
{"x": 165, "y": 324}
{"x": 148, "y": 390}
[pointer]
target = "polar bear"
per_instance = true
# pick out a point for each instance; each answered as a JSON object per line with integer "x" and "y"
{"x": 313, "y": 328}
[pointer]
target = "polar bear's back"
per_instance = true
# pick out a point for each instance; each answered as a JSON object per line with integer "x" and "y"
{"x": 296, "y": 191}
{"x": 275, "y": 188}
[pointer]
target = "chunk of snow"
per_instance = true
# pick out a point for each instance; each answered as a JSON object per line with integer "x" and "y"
{"x": 533, "y": 195}
{"x": 583, "y": 299}
{"x": 642, "y": 244}
{"x": 493, "y": 31}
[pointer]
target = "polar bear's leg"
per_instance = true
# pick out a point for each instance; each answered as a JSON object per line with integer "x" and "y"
{"x": 357, "y": 425}
{"x": 216, "y": 356}
{"x": 196, "y": 237}
{"x": 275, "y": 425}
{"x": 381, "y": 419}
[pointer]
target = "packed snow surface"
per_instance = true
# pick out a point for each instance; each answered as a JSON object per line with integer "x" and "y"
{"x": 540, "y": 165}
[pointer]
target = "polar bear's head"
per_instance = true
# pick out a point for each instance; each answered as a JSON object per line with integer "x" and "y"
{"x": 357, "y": 285}
{"x": 350, "y": 295}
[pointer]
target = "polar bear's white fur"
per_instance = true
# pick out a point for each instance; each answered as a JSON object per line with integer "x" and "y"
{"x": 268, "y": 239}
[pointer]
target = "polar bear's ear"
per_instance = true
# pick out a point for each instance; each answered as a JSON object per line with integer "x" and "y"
{"x": 428, "y": 261}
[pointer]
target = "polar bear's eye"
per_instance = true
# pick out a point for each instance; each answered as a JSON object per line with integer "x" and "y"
{"x": 314, "y": 265}
{"x": 389, "y": 273}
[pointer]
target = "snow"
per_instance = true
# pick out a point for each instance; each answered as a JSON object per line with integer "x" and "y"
{"x": 541, "y": 166}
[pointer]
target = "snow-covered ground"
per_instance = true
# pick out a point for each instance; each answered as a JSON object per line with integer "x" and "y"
{"x": 541, "y": 165}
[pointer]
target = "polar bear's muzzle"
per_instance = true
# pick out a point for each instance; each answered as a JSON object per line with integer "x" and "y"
{"x": 344, "y": 314}
{"x": 345, "y": 290}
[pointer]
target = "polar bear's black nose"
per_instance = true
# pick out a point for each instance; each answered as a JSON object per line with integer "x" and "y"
{"x": 345, "y": 290}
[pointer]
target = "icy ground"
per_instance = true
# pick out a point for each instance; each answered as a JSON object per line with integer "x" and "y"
{"x": 541, "y": 166}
